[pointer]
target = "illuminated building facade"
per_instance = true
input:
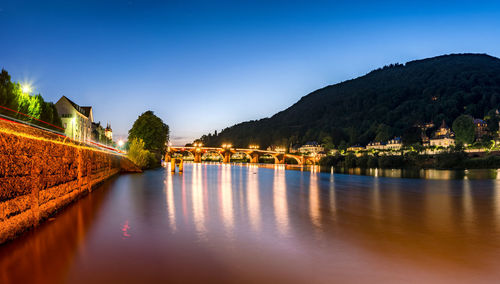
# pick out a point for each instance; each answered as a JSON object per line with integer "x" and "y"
{"x": 76, "y": 120}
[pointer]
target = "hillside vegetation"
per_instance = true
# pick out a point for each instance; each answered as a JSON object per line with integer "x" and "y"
{"x": 384, "y": 103}
{"x": 23, "y": 106}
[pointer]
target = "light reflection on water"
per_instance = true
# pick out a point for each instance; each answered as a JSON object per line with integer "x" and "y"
{"x": 253, "y": 198}
{"x": 314, "y": 202}
{"x": 417, "y": 173}
{"x": 226, "y": 198}
{"x": 245, "y": 223}
{"x": 280, "y": 200}
{"x": 198, "y": 198}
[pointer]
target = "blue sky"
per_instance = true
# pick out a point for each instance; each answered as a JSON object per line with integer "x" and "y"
{"x": 206, "y": 65}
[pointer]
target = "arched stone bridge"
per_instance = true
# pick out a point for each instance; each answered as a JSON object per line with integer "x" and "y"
{"x": 226, "y": 153}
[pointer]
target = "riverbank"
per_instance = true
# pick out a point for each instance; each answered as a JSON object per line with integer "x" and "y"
{"x": 42, "y": 172}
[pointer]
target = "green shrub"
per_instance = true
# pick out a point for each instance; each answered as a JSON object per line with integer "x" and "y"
{"x": 350, "y": 161}
{"x": 137, "y": 154}
{"x": 450, "y": 160}
{"x": 488, "y": 162}
{"x": 362, "y": 161}
{"x": 391, "y": 162}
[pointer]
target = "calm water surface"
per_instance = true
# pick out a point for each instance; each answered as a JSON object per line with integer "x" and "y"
{"x": 245, "y": 224}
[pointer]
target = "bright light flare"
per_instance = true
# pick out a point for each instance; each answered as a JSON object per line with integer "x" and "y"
{"x": 26, "y": 88}
{"x": 120, "y": 143}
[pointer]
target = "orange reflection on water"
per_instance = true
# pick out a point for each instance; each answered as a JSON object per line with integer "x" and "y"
{"x": 226, "y": 198}
{"x": 197, "y": 200}
{"x": 280, "y": 200}
{"x": 333, "y": 201}
{"x": 169, "y": 190}
{"x": 468, "y": 206}
{"x": 314, "y": 205}
{"x": 253, "y": 202}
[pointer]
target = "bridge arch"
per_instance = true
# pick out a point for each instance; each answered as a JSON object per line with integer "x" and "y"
{"x": 247, "y": 155}
{"x": 267, "y": 156}
{"x": 187, "y": 154}
{"x": 296, "y": 158}
{"x": 212, "y": 152}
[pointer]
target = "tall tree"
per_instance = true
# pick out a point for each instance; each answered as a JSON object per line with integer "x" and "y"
{"x": 7, "y": 96}
{"x": 464, "y": 129}
{"x": 152, "y": 131}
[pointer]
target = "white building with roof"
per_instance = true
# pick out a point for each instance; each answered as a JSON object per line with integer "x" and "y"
{"x": 76, "y": 120}
{"x": 311, "y": 147}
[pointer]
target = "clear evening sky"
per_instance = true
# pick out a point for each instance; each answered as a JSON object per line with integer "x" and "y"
{"x": 206, "y": 65}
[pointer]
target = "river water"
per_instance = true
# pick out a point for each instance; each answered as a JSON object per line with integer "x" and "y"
{"x": 250, "y": 224}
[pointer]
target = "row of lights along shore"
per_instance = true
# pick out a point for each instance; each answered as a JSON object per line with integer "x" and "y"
{"x": 226, "y": 146}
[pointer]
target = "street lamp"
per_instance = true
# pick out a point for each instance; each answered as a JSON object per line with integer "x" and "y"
{"x": 26, "y": 88}
{"x": 120, "y": 143}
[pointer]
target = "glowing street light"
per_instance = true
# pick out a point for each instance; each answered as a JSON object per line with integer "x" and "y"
{"x": 26, "y": 88}
{"x": 120, "y": 143}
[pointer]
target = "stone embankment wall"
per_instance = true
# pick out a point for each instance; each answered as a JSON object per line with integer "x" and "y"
{"x": 41, "y": 172}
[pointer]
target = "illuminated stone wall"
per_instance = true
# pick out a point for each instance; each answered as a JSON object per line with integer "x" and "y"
{"x": 40, "y": 174}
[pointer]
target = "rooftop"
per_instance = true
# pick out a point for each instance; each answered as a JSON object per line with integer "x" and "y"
{"x": 85, "y": 110}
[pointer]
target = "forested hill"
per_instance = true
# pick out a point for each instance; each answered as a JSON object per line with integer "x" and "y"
{"x": 384, "y": 103}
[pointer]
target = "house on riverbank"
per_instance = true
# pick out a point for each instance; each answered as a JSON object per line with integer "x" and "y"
{"x": 443, "y": 137}
{"x": 76, "y": 120}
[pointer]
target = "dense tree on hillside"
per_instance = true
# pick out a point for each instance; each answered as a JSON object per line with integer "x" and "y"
{"x": 411, "y": 135}
{"x": 153, "y": 132}
{"x": 464, "y": 129}
{"x": 382, "y": 104}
